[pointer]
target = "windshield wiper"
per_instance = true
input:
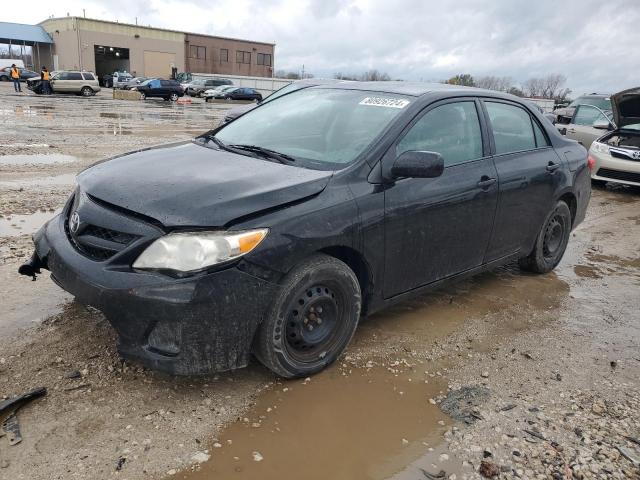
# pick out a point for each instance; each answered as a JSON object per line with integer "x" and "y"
{"x": 265, "y": 152}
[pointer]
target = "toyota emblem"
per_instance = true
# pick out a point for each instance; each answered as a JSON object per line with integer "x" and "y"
{"x": 74, "y": 222}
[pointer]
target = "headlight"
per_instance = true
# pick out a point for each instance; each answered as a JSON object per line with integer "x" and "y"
{"x": 600, "y": 147}
{"x": 191, "y": 251}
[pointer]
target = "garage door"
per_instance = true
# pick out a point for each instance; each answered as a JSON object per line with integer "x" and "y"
{"x": 158, "y": 64}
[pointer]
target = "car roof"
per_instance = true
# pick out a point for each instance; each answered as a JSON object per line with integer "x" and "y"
{"x": 416, "y": 89}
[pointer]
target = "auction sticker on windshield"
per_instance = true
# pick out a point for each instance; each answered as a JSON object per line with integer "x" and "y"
{"x": 385, "y": 102}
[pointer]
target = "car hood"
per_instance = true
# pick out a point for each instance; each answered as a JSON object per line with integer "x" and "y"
{"x": 187, "y": 184}
{"x": 626, "y": 107}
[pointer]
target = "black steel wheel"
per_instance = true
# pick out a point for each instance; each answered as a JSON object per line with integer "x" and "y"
{"x": 173, "y": 97}
{"x": 551, "y": 242}
{"x": 312, "y": 320}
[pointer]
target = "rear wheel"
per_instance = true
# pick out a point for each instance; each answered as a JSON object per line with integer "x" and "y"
{"x": 551, "y": 242}
{"x": 312, "y": 320}
{"x": 86, "y": 91}
{"x": 173, "y": 97}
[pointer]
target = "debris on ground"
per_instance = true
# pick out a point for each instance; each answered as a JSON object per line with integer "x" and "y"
{"x": 463, "y": 404}
{"x": 8, "y": 414}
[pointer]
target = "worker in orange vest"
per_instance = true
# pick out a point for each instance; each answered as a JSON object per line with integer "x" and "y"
{"x": 15, "y": 76}
{"x": 44, "y": 78}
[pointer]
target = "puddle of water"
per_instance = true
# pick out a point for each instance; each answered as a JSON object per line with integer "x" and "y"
{"x": 64, "y": 179}
{"x": 338, "y": 425}
{"x": 35, "y": 159}
{"x": 14, "y": 225}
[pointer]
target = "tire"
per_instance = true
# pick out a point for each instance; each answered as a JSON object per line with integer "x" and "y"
{"x": 143, "y": 95}
{"x": 86, "y": 91}
{"x": 173, "y": 97}
{"x": 207, "y": 99}
{"x": 4, "y": 78}
{"x": 551, "y": 242}
{"x": 293, "y": 340}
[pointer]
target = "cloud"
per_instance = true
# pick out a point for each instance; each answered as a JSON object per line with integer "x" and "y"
{"x": 593, "y": 43}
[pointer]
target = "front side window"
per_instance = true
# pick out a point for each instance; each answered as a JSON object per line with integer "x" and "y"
{"x": 322, "y": 128}
{"x": 512, "y": 128}
{"x": 452, "y": 130}
{"x": 587, "y": 115}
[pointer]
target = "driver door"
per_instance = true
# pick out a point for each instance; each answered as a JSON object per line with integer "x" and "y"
{"x": 581, "y": 127}
{"x": 438, "y": 227}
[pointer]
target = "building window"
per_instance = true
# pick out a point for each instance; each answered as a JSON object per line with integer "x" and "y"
{"x": 197, "y": 52}
{"x": 243, "y": 57}
{"x": 264, "y": 59}
{"x": 224, "y": 55}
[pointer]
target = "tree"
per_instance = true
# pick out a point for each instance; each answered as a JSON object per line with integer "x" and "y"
{"x": 547, "y": 87}
{"x": 501, "y": 84}
{"x": 464, "y": 79}
{"x": 368, "y": 76}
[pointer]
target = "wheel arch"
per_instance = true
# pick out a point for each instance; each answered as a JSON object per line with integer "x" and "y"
{"x": 356, "y": 261}
{"x": 572, "y": 202}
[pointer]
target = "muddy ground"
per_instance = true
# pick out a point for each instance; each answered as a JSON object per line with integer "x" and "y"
{"x": 506, "y": 374}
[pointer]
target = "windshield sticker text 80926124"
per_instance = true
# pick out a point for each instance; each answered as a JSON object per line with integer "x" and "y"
{"x": 385, "y": 102}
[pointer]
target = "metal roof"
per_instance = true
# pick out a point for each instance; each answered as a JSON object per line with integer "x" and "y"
{"x": 20, "y": 32}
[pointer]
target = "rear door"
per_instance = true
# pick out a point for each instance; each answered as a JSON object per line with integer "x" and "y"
{"x": 438, "y": 227}
{"x": 529, "y": 172}
{"x": 74, "y": 82}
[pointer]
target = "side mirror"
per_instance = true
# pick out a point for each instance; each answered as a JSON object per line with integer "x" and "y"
{"x": 417, "y": 164}
{"x": 601, "y": 124}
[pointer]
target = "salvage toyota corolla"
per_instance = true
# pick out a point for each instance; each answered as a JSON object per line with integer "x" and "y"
{"x": 275, "y": 233}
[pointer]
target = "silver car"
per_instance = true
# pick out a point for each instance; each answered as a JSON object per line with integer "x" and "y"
{"x": 587, "y": 123}
{"x": 615, "y": 156}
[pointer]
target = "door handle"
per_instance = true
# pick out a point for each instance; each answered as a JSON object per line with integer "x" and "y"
{"x": 552, "y": 167}
{"x": 486, "y": 182}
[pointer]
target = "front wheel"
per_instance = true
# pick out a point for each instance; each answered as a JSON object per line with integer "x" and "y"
{"x": 551, "y": 242}
{"x": 173, "y": 97}
{"x": 311, "y": 320}
{"x": 143, "y": 95}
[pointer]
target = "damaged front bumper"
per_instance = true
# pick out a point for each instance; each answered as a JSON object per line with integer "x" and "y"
{"x": 183, "y": 326}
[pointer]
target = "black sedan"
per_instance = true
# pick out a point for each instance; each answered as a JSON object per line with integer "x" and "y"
{"x": 275, "y": 233}
{"x": 159, "y": 88}
{"x": 5, "y": 74}
{"x": 240, "y": 93}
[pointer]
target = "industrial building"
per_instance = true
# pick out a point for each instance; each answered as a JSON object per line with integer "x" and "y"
{"x": 104, "y": 47}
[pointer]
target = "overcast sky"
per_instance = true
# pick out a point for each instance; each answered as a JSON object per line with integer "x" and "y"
{"x": 594, "y": 43}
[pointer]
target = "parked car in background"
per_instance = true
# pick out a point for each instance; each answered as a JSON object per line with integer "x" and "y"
{"x": 275, "y": 233}
{"x": 25, "y": 74}
{"x": 197, "y": 87}
{"x": 209, "y": 94}
{"x": 616, "y": 154}
{"x": 564, "y": 114}
{"x": 116, "y": 79}
{"x": 587, "y": 123}
{"x": 134, "y": 82}
{"x": 240, "y": 93}
{"x": 159, "y": 88}
{"x": 235, "y": 112}
{"x": 69, "y": 81}
{"x": 549, "y": 116}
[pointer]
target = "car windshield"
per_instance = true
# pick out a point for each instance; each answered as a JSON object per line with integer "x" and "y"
{"x": 198, "y": 82}
{"x": 323, "y": 128}
{"x": 292, "y": 87}
{"x": 601, "y": 103}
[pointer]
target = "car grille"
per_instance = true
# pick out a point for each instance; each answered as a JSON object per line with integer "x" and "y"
{"x": 99, "y": 243}
{"x": 619, "y": 175}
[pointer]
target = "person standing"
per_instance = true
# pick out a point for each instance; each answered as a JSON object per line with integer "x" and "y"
{"x": 15, "y": 76}
{"x": 44, "y": 78}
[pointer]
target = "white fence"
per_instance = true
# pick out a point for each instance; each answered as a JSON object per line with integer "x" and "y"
{"x": 265, "y": 86}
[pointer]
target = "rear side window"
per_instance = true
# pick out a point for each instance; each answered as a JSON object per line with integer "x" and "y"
{"x": 541, "y": 138}
{"x": 74, "y": 76}
{"x": 88, "y": 76}
{"x": 452, "y": 130}
{"x": 512, "y": 128}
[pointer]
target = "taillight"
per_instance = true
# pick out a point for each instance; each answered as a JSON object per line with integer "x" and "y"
{"x": 591, "y": 163}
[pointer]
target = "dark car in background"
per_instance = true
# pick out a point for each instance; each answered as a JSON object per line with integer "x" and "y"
{"x": 275, "y": 233}
{"x": 25, "y": 74}
{"x": 197, "y": 87}
{"x": 133, "y": 83}
{"x": 235, "y": 112}
{"x": 240, "y": 93}
{"x": 160, "y": 88}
